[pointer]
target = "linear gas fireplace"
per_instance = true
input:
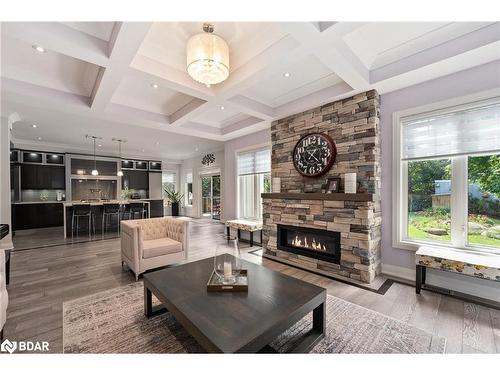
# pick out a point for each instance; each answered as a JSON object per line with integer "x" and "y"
{"x": 310, "y": 242}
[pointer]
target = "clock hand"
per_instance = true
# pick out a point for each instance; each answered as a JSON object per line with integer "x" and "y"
{"x": 311, "y": 154}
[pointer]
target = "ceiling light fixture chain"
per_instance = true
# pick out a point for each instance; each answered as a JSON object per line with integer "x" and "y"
{"x": 94, "y": 172}
{"x": 120, "y": 141}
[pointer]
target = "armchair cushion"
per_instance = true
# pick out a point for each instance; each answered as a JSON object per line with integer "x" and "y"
{"x": 160, "y": 246}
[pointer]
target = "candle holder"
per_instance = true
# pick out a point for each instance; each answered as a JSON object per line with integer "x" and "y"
{"x": 227, "y": 262}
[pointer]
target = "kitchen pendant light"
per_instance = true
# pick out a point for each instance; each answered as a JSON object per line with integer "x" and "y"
{"x": 120, "y": 141}
{"x": 208, "y": 57}
{"x": 94, "y": 172}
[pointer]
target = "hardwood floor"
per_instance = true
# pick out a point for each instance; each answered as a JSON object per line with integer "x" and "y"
{"x": 43, "y": 278}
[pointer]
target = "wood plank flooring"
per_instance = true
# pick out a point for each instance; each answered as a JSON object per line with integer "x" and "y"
{"x": 43, "y": 278}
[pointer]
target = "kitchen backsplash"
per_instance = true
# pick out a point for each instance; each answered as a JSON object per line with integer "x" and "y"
{"x": 39, "y": 195}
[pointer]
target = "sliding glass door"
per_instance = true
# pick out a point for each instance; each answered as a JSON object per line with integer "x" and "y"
{"x": 210, "y": 196}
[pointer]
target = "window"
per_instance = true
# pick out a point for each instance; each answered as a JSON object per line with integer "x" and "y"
{"x": 483, "y": 200}
{"x": 167, "y": 182}
{"x": 448, "y": 178}
{"x": 254, "y": 178}
{"x": 189, "y": 189}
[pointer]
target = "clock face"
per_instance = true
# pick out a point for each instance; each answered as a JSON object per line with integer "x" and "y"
{"x": 314, "y": 154}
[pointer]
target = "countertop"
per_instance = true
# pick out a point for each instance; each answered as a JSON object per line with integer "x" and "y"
{"x": 39, "y": 202}
{"x": 69, "y": 204}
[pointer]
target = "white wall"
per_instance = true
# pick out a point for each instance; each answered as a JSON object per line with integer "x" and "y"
{"x": 5, "y": 208}
{"x": 467, "y": 82}
{"x": 197, "y": 169}
{"x": 231, "y": 148}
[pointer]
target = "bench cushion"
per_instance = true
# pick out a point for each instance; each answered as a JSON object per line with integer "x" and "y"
{"x": 481, "y": 265}
{"x": 248, "y": 225}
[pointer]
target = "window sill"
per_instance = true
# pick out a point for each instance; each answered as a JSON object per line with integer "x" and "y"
{"x": 411, "y": 245}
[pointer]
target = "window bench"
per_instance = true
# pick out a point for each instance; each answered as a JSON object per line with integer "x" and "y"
{"x": 481, "y": 265}
{"x": 246, "y": 225}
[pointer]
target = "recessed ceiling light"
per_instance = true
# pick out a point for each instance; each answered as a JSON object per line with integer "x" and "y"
{"x": 154, "y": 85}
{"x": 39, "y": 138}
{"x": 39, "y": 48}
{"x": 286, "y": 74}
{"x": 34, "y": 126}
{"x": 222, "y": 108}
{"x": 196, "y": 149}
{"x": 157, "y": 143}
{"x": 208, "y": 85}
{"x": 99, "y": 145}
{"x": 142, "y": 150}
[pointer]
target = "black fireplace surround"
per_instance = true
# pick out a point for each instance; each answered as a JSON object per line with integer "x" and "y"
{"x": 313, "y": 243}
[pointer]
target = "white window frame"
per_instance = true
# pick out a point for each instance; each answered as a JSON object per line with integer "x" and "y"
{"x": 186, "y": 193}
{"x": 459, "y": 181}
{"x": 254, "y": 148}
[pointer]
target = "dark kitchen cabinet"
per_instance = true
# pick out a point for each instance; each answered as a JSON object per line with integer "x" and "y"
{"x": 156, "y": 208}
{"x": 155, "y": 165}
{"x": 136, "y": 180}
{"x": 57, "y": 178}
{"x": 141, "y": 165}
{"x": 127, "y": 164}
{"x": 37, "y": 215}
{"x": 37, "y": 177}
{"x": 14, "y": 156}
{"x": 32, "y": 157}
{"x": 29, "y": 176}
{"x": 54, "y": 159}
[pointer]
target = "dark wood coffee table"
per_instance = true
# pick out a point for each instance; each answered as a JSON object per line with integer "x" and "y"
{"x": 238, "y": 322}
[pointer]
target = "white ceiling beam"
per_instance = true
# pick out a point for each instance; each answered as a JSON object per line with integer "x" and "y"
{"x": 489, "y": 35}
{"x": 187, "y": 109}
{"x": 240, "y": 125}
{"x": 331, "y": 50}
{"x": 315, "y": 99}
{"x": 252, "y": 107}
{"x": 15, "y": 92}
{"x": 144, "y": 67}
{"x": 125, "y": 42}
{"x": 480, "y": 56}
{"x": 57, "y": 37}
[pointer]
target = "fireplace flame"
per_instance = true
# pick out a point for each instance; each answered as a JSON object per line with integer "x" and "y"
{"x": 309, "y": 244}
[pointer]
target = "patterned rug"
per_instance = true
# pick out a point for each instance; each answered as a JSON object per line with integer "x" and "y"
{"x": 114, "y": 322}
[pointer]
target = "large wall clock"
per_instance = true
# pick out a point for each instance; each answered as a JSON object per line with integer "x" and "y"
{"x": 314, "y": 154}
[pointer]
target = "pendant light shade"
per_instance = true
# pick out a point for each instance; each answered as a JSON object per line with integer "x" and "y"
{"x": 208, "y": 57}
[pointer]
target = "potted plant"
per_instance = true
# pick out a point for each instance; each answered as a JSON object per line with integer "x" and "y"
{"x": 174, "y": 198}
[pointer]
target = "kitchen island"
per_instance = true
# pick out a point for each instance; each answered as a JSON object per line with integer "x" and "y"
{"x": 97, "y": 210}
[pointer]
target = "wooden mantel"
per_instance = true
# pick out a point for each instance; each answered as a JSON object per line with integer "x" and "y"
{"x": 358, "y": 197}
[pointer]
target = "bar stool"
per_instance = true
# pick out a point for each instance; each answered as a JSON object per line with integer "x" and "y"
{"x": 85, "y": 211}
{"x": 108, "y": 211}
{"x": 137, "y": 208}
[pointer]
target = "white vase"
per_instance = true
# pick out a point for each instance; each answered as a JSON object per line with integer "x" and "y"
{"x": 276, "y": 184}
{"x": 350, "y": 183}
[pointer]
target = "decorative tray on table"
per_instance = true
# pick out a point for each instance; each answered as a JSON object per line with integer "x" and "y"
{"x": 215, "y": 284}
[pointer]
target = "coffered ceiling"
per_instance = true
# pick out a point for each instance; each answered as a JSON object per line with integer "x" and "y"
{"x": 122, "y": 79}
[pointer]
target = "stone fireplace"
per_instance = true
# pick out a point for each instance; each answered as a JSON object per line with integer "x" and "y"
{"x": 336, "y": 233}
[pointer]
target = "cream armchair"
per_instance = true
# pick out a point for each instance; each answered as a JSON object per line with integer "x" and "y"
{"x": 151, "y": 243}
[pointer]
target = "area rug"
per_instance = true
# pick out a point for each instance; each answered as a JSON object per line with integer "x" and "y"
{"x": 114, "y": 322}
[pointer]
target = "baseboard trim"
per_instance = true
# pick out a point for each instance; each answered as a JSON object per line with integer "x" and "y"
{"x": 399, "y": 272}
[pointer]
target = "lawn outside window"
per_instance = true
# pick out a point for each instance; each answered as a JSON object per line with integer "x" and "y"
{"x": 447, "y": 176}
